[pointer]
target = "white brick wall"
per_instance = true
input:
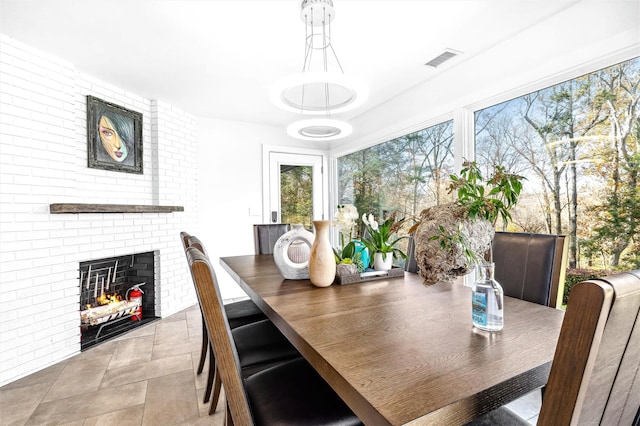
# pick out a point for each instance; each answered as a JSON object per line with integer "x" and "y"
{"x": 43, "y": 160}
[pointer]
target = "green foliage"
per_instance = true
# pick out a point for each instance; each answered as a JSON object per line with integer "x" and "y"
{"x": 575, "y": 276}
{"x": 379, "y": 238}
{"x": 349, "y": 255}
{"x": 490, "y": 199}
{"x": 296, "y": 195}
{"x": 450, "y": 241}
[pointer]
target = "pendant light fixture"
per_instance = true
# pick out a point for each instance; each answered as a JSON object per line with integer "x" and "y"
{"x": 321, "y": 88}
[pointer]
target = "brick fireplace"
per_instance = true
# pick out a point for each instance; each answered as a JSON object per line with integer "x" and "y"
{"x": 44, "y": 163}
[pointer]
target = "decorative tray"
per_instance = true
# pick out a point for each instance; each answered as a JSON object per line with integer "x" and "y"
{"x": 369, "y": 276}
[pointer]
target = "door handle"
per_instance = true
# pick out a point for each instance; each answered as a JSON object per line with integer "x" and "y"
{"x": 274, "y": 217}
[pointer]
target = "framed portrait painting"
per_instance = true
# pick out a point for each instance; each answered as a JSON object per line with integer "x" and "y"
{"x": 114, "y": 137}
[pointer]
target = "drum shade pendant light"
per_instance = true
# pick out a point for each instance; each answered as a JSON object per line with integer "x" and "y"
{"x": 321, "y": 88}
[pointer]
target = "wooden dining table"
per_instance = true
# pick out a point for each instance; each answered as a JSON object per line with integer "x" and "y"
{"x": 399, "y": 352}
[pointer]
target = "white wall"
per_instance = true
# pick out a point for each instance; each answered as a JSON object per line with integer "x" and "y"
{"x": 230, "y": 185}
{"x": 43, "y": 160}
{"x": 576, "y": 41}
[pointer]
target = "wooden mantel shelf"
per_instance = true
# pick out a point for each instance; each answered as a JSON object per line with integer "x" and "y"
{"x": 111, "y": 208}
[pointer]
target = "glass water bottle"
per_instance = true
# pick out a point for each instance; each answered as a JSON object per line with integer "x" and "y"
{"x": 487, "y": 300}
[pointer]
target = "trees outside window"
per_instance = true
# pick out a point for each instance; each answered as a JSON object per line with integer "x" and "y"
{"x": 577, "y": 144}
{"x": 406, "y": 174}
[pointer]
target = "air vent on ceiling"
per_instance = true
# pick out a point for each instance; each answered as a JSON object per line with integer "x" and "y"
{"x": 443, "y": 57}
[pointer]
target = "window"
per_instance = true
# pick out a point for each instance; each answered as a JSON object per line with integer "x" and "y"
{"x": 577, "y": 145}
{"x": 406, "y": 174}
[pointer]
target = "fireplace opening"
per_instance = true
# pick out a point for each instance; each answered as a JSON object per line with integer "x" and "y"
{"x": 117, "y": 294}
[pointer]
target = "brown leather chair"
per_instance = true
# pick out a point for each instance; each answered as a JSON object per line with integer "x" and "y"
{"x": 595, "y": 374}
{"x": 291, "y": 392}
{"x": 531, "y": 267}
{"x": 266, "y": 235}
{"x": 238, "y": 314}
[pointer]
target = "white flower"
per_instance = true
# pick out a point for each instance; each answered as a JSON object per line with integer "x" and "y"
{"x": 372, "y": 222}
{"x": 344, "y": 218}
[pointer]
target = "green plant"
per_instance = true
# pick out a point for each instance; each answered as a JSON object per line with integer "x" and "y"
{"x": 486, "y": 199}
{"x": 458, "y": 239}
{"x": 345, "y": 220}
{"x": 379, "y": 238}
{"x": 479, "y": 199}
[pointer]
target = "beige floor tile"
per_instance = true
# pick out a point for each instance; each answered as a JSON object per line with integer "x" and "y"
{"x": 131, "y": 416}
{"x": 200, "y": 379}
{"x": 132, "y": 352}
{"x": 47, "y": 375}
{"x": 178, "y": 316}
{"x": 188, "y": 346}
{"x": 148, "y": 370}
{"x": 89, "y": 405}
{"x": 172, "y": 332}
{"x": 81, "y": 375}
{"x": 17, "y": 404}
{"x": 170, "y": 400}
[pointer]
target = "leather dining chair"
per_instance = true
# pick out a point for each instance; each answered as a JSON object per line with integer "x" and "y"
{"x": 238, "y": 314}
{"x": 410, "y": 263}
{"x": 531, "y": 267}
{"x": 290, "y": 392}
{"x": 266, "y": 235}
{"x": 595, "y": 373}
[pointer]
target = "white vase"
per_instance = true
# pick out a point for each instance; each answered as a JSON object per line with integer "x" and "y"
{"x": 382, "y": 261}
{"x": 291, "y": 253}
{"x": 322, "y": 262}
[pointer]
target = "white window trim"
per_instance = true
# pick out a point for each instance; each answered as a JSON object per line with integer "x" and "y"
{"x": 267, "y": 150}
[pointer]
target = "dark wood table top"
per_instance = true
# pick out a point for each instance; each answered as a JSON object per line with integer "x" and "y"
{"x": 399, "y": 352}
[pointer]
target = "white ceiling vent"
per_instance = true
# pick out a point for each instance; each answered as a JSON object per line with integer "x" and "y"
{"x": 443, "y": 57}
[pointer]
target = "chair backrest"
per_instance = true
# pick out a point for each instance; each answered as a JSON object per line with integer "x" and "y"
{"x": 217, "y": 325}
{"x": 266, "y": 235}
{"x": 195, "y": 242}
{"x": 531, "y": 267}
{"x": 595, "y": 374}
{"x": 411, "y": 265}
{"x": 184, "y": 237}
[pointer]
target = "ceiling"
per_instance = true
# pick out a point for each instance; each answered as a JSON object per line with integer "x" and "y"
{"x": 216, "y": 58}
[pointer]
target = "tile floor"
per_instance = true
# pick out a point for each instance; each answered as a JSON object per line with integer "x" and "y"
{"x": 146, "y": 377}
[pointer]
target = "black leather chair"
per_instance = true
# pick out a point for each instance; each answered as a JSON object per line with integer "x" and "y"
{"x": 266, "y": 235}
{"x": 595, "y": 374}
{"x": 290, "y": 392}
{"x": 531, "y": 267}
{"x": 411, "y": 265}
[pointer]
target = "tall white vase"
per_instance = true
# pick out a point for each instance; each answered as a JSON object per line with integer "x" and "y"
{"x": 322, "y": 263}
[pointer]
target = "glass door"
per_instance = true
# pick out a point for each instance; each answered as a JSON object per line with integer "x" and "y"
{"x": 295, "y": 188}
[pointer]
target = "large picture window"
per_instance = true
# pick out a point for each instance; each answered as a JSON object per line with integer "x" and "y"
{"x": 406, "y": 174}
{"x": 577, "y": 144}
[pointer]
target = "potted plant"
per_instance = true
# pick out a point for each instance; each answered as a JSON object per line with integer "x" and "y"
{"x": 380, "y": 240}
{"x": 350, "y": 256}
{"x": 451, "y": 238}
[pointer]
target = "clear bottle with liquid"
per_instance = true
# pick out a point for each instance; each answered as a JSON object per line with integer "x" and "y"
{"x": 487, "y": 300}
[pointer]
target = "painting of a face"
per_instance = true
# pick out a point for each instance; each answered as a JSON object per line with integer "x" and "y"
{"x": 114, "y": 137}
{"x": 111, "y": 141}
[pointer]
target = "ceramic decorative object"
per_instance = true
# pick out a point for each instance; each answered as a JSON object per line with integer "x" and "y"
{"x": 346, "y": 269}
{"x": 322, "y": 262}
{"x": 291, "y": 253}
{"x": 382, "y": 261}
{"x": 437, "y": 264}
